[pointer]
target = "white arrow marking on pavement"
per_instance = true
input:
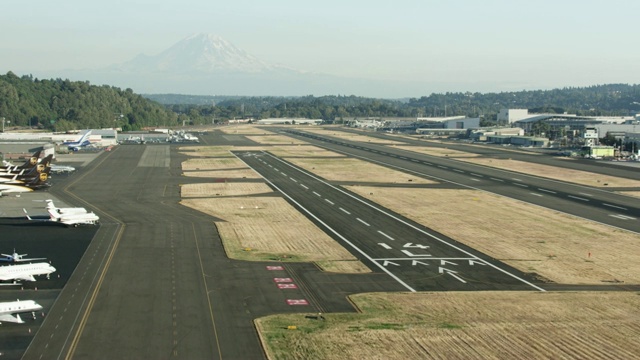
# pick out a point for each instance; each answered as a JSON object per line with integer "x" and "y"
{"x": 474, "y": 262}
{"x": 452, "y": 273}
{"x": 410, "y": 245}
{"x": 416, "y": 262}
{"x": 445, "y": 262}
{"x": 410, "y": 254}
{"x": 389, "y": 262}
{"x": 385, "y": 246}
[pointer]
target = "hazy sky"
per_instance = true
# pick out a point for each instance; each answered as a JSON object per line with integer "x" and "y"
{"x": 489, "y": 45}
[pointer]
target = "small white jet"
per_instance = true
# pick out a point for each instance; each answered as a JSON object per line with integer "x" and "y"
{"x": 25, "y": 272}
{"x": 16, "y": 258}
{"x": 69, "y": 219}
{"x": 7, "y": 309}
{"x": 65, "y": 211}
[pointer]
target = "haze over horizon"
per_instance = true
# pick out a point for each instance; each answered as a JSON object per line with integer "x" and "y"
{"x": 407, "y": 48}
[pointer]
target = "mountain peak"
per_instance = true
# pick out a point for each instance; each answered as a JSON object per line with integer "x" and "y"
{"x": 201, "y": 52}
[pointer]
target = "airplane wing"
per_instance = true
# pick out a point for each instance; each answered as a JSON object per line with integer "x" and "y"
{"x": 11, "y": 318}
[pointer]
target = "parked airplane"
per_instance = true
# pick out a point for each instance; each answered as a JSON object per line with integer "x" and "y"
{"x": 7, "y": 309}
{"x": 65, "y": 211}
{"x": 31, "y": 162}
{"x": 25, "y": 272}
{"x": 16, "y": 258}
{"x": 69, "y": 219}
{"x": 38, "y": 182}
{"x": 60, "y": 169}
{"x": 82, "y": 142}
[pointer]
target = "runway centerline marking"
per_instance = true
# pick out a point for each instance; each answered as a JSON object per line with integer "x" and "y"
{"x": 345, "y": 211}
{"x": 362, "y": 221}
{"x": 615, "y": 206}
{"x": 577, "y": 198}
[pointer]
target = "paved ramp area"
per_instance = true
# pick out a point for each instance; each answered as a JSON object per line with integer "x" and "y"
{"x": 155, "y": 156}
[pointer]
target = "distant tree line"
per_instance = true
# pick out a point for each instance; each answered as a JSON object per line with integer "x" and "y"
{"x": 600, "y": 100}
{"x": 62, "y": 105}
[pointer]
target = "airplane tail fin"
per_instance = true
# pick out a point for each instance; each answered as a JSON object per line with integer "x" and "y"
{"x": 32, "y": 161}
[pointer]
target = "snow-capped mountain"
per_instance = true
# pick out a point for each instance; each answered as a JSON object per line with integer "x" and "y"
{"x": 203, "y": 53}
{"x": 204, "y": 64}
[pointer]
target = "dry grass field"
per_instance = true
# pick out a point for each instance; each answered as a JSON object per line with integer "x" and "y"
{"x": 464, "y": 325}
{"x": 268, "y": 228}
{"x": 559, "y": 247}
{"x": 223, "y": 189}
{"x": 244, "y": 130}
{"x": 275, "y": 140}
{"x": 349, "y": 136}
{"x": 219, "y": 175}
{"x": 350, "y": 169}
{"x": 545, "y": 171}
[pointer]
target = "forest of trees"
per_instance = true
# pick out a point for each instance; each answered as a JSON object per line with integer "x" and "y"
{"x": 62, "y": 105}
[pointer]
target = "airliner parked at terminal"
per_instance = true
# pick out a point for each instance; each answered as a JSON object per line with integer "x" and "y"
{"x": 16, "y": 258}
{"x": 82, "y": 142}
{"x": 25, "y": 272}
{"x": 7, "y": 309}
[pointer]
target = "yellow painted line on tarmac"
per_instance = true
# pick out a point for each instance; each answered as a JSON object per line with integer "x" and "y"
{"x": 94, "y": 295}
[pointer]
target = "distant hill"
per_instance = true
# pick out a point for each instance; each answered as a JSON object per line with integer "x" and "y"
{"x": 600, "y": 100}
{"x": 63, "y": 105}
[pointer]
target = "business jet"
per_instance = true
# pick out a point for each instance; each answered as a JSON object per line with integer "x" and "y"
{"x": 68, "y": 219}
{"x": 25, "y": 272}
{"x": 16, "y": 258}
{"x": 65, "y": 211}
{"x": 7, "y": 309}
{"x": 82, "y": 142}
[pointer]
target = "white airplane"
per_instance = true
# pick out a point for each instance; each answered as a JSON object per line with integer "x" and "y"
{"x": 60, "y": 169}
{"x": 69, "y": 219}
{"x": 7, "y": 309}
{"x": 82, "y": 142}
{"x": 65, "y": 211}
{"x": 25, "y": 272}
{"x": 16, "y": 258}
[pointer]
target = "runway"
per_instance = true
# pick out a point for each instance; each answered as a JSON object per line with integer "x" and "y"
{"x": 154, "y": 281}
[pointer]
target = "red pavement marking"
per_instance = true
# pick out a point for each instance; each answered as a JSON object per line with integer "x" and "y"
{"x": 287, "y": 286}
{"x": 272, "y": 268}
{"x": 297, "y": 302}
{"x": 282, "y": 280}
